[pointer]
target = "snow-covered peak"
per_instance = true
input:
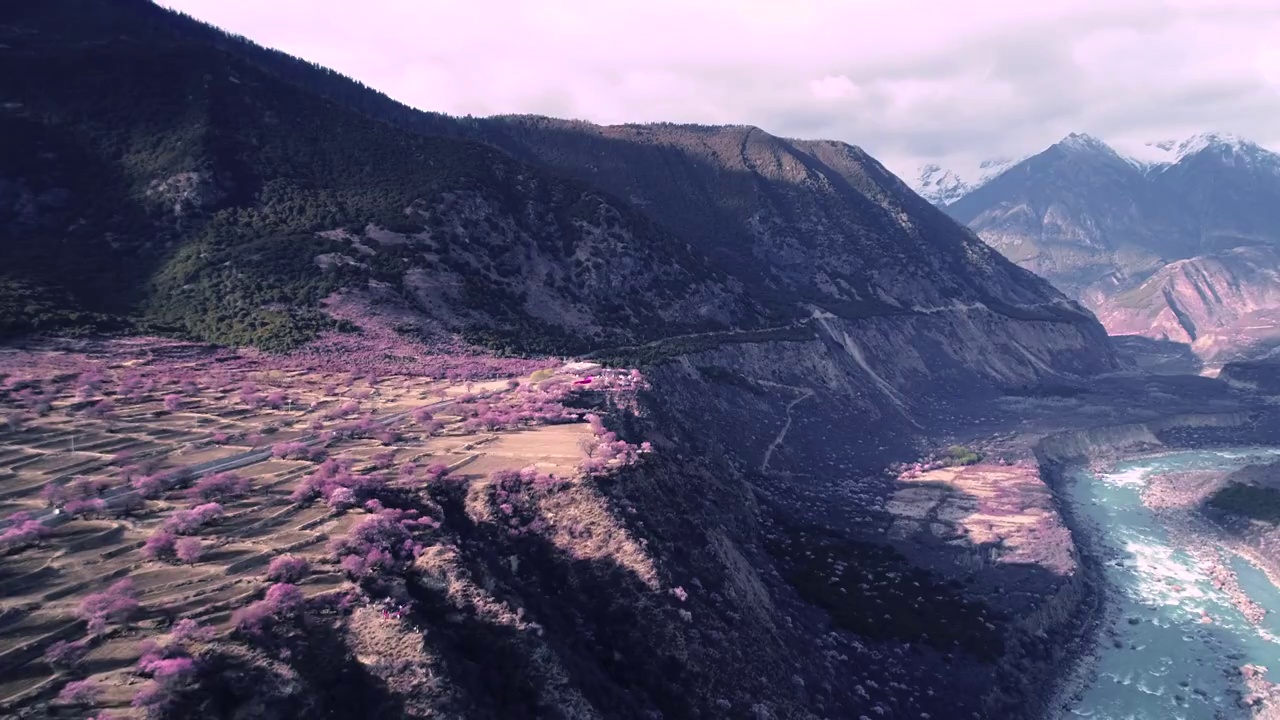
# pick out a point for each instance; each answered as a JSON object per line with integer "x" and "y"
{"x": 939, "y": 185}
{"x": 1156, "y": 156}
{"x": 942, "y": 186}
{"x": 1204, "y": 141}
{"x": 1081, "y": 142}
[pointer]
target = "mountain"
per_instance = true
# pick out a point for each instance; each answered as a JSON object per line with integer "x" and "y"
{"x": 804, "y": 225}
{"x": 1100, "y": 224}
{"x": 203, "y": 195}
{"x": 943, "y": 186}
{"x": 805, "y": 323}
{"x": 1218, "y": 304}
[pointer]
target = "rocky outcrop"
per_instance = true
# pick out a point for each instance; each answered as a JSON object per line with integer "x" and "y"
{"x": 1221, "y": 305}
{"x": 1262, "y": 377}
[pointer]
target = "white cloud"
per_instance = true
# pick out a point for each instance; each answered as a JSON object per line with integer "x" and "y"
{"x": 908, "y": 80}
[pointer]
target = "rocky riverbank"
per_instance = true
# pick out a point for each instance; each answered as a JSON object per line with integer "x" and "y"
{"x": 1174, "y": 497}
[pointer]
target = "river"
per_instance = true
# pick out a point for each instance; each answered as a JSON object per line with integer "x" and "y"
{"x": 1175, "y": 642}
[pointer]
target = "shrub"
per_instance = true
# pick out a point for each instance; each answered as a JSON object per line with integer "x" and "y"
{"x": 67, "y": 654}
{"x": 219, "y": 486}
{"x": 335, "y": 477}
{"x": 173, "y": 403}
{"x": 281, "y": 600}
{"x": 188, "y": 550}
{"x": 22, "y": 531}
{"x": 170, "y": 666}
{"x": 81, "y": 692}
{"x": 188, "y": 630}
{"x": 296, "y": 451}
{"x": 116, "y": 604}
{"x": 288, "y": 569}
{"x": 159, "y": 545}
{"x": 189, "y": 522}
{"x": 961, "y": 455}
{"x": 383, "y": 542}
{"x": 148, "y": 486}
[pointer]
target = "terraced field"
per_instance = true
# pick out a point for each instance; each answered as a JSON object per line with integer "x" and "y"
{"x": 100, "y": 462}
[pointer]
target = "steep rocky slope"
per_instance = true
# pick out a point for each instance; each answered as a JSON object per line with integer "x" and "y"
{"x": 817, "y": 222}
{"x": 1078, "y": 214}
{"x": 153, "y": 177}
{"x": 1219, "y": 304}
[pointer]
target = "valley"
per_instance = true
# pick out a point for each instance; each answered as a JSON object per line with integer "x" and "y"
{"x": 314, "y": 404}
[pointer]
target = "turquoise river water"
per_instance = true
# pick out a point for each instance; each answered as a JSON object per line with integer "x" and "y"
{"x": 1161, "y": 660}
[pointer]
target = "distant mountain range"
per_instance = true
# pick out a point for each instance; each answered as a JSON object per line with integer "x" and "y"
{"x": 1171, "y": 240}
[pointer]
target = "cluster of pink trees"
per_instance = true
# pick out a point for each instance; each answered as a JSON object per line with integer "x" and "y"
{"x": 281, "y": 600}
{"x": 384, "y": 542}
{"x": 170, "y": 667}
{"x": 169, "y": 542}
{"x": 366, "y": 426}
{"x": 540, "y": 404}
{"x": 288, "y": 569}
{"x": 188, "y": 630}
{"x": 604, "y": 449}
{"x": 338, "y": 485}
{"x": 150, "y": 486}
{"x": 382, "y": 351}
{"x": 81, "y": 692}
{"x": 67, "y": 654}
{"x": 191, "y": 520}
{"x": 346, "y": 409}
{"x": 142, "y": 475}
{"x": 218, "y": 487}
{"x": 22, "y": 531}
{"x": 116, "y": 604}
{"x": 80, "y": 497}
{"x": 423, "y": 417}
{"x": 297, "y": 451}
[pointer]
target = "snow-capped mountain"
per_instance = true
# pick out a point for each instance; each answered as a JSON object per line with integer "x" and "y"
{"x": 1160, "y": 155}
{"x": 942, "y": 186}
{"x": 1100, "y": 220}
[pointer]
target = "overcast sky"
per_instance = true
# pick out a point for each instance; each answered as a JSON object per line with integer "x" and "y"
{"x": 908, "y": 80}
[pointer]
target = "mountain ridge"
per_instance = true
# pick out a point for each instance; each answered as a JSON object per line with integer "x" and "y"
{"x": 943, "y": 184}
{"x": 1099, "y": 223}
